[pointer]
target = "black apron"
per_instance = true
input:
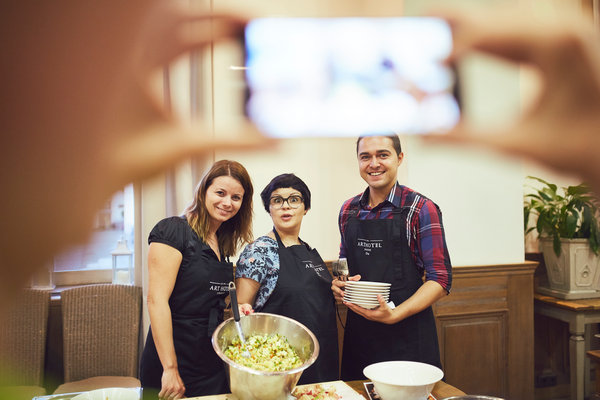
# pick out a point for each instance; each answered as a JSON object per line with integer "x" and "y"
{"x": 378, "y": 250}
{"x": 197, "y": 304}
{"x": 303, "y": 293}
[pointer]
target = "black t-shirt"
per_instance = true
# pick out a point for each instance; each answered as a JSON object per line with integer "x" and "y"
{"x": 177, "y": 233}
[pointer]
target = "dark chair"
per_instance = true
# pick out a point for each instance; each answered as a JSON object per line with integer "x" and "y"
{"x": 23, "y": 330}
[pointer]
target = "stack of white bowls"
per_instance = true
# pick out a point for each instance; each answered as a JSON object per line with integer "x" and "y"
{"x": 364, "y": 293}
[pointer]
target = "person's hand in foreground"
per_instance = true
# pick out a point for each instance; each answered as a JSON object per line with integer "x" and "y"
{"x": 562, "y": 128}
{"x": 78, "y": 120}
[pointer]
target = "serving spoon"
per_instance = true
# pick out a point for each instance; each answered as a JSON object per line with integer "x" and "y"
{"x": 236, "y": 317}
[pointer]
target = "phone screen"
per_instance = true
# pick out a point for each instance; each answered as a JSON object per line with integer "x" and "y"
{"x": 349, "y": 76}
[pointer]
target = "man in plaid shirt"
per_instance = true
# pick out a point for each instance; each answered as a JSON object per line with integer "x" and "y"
{"x": 391, "y": 233}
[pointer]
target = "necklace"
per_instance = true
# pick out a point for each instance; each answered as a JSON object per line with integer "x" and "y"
{"x": 213, "y": 243}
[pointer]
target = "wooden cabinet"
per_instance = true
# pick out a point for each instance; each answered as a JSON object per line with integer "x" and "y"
{"x": 485, "y": 329}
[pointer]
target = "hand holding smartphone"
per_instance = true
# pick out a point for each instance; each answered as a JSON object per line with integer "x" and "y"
{"x": 350, "y": 76}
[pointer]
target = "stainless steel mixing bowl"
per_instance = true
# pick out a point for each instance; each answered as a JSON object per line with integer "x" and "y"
{"x": 249, "y": 384}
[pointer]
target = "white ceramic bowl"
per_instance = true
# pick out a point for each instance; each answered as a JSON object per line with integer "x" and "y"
{"x": 368, "y": 292}
{"x": 368, "y": 284}
{"x": 109, "y": 394}
{"x": 364, "y": 296}
{"x": 403, "y": 380}
{"x": 368, "y": 306}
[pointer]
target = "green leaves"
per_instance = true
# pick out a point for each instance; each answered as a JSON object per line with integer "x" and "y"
{"x": 568, "y": 213}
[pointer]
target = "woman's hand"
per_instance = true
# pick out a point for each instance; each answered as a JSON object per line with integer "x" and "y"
{"x": 171, "y": 385}
{"x": 245, "y": 309}
{"x": 246, "y": 294}
{"x": 337, "y": 287}
{"x": 104, "y": 91}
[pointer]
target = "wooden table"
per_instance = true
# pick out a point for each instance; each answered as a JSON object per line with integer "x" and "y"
{"x": 578, "y": 314}
{"x": 441, "y": 390}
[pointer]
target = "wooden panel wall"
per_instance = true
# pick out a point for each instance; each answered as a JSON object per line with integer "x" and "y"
{"x": 485, "y": 329}
{"x": 475, "y": 340}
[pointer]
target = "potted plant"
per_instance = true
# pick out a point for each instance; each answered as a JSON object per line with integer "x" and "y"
{"x": 569, "y": 236}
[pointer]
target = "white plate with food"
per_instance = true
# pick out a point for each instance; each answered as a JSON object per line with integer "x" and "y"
{"x": 333, "y": 390}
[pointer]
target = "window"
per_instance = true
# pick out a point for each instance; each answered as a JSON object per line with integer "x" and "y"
{"x": 92, "y": 262}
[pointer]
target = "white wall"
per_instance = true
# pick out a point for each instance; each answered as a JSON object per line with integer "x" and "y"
{"x": 480, "y": 194}
{"x": 328, "y": 166}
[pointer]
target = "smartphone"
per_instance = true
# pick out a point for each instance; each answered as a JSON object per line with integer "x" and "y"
{"x": 350, "y": 76}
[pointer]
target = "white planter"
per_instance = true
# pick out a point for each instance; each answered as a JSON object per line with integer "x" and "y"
{"x": 575, "y": 274}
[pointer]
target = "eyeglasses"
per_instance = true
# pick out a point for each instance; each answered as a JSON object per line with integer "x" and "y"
{"x": 293, "y": 201}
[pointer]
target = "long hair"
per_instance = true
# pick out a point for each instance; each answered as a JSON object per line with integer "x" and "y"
{"x": 235, "y": 231}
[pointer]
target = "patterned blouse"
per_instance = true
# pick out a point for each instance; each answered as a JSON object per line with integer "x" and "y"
{"x": 260, "y": 262}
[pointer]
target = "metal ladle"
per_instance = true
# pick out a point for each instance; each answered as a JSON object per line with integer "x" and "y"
{"x": 236, "y": 317}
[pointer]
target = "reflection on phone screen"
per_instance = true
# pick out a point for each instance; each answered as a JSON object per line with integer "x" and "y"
{"x": 349, "y": 76}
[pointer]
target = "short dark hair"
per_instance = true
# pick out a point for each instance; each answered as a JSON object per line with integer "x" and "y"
{"x": 285, "y": 181}
{"x": 393, "y": 136}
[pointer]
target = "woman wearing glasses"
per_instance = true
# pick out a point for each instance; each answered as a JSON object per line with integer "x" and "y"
{"x": 281, "y": 274}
